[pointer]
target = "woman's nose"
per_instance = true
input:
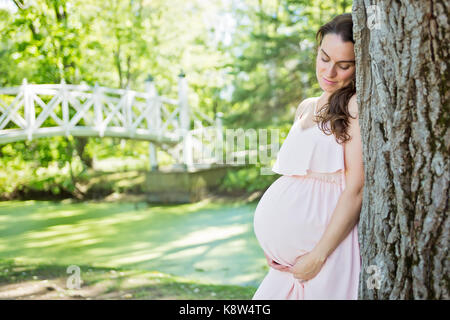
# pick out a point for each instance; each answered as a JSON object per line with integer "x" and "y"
{"x": 331, "y": 72}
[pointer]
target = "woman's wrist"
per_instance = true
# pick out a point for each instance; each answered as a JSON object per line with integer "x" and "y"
{"x": 319, "y": 254}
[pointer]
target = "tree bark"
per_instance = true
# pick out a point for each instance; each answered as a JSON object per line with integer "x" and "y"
{"x": 402, "y": 93}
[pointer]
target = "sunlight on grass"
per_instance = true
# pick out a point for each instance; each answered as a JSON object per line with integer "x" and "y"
{"x": 188, "y": 253}
{"x": 207, "y": 235}
{"x": 56, "y": 231}
{"x": 49, "y": 282}
{"x": 17, "y": 204}
{"x": 88, "y": 242}
{"x": 201, "y": 241}
{"x": 60, "y": 240}
{"x": 136, "y": 258}
{"x": 45, "y": 213}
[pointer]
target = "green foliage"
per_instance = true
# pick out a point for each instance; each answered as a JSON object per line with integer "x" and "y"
{"x": 254, "y": 61}
{"x": 274, "y": 68}
{"x": 247, "y": 180}
{"x": 40, "y": 165}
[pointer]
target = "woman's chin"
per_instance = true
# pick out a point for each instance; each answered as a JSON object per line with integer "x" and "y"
{"x": 327, "y": 89}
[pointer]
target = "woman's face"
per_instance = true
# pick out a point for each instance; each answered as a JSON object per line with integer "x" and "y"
{"x": 335, "y": 62}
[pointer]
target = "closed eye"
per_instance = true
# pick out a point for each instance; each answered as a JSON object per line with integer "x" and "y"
{"x": 339, "y": 66}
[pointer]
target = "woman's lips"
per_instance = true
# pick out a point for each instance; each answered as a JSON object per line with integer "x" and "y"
{"x": 327, "y": 81}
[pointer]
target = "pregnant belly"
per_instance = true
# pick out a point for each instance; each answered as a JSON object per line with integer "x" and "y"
{"x": 288, "y": 220}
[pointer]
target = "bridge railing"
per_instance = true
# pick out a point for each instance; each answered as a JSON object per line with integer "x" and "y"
{"x": 43, "y": 110}
{"x": 190, "y": 136}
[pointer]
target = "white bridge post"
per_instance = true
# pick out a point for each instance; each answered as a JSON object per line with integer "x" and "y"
{"x": 219, "y": 139}
{"x": 98, "y": 110}
{"x": 153, "y": 120}
{"x": 185, "y": 121}
{"x": 28, "y": 102}
{"x": 65, "y": 106}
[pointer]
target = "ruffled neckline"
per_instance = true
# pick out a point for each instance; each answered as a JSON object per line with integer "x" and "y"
{"x": 308, "y": 149}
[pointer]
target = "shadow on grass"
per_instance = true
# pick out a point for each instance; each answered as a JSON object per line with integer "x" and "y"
{"x": 211, "y": 242}
{"x": 49, "y": 282}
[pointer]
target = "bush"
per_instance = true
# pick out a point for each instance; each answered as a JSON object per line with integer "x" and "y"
{"x": 247, "y": 179}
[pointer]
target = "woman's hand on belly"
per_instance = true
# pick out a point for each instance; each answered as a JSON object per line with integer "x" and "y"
{"x": 307, "y": 266}
{"x": 273, "y": 264}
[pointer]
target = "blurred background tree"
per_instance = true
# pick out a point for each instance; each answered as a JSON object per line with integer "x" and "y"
{"x": 252, "y": 60}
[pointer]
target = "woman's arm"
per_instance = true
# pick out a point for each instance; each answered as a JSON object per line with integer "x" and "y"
{"x": 348, "y": 208}
{"x": 346, "y": 213}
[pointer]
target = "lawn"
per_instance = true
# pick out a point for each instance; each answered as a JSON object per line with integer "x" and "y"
{"x": 49, "y": 282}
{"x": 196, "y": 251}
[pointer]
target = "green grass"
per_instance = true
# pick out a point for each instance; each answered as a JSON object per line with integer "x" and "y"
{"x": 210, "y": 244}
{"x": 109, "y": 283}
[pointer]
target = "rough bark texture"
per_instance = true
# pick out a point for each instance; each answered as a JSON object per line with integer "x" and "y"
{"x": 402, "y": 92}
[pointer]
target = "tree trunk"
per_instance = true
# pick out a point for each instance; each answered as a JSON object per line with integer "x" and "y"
{"x": 402, "y": 92}
{"x": 80, "y": 147}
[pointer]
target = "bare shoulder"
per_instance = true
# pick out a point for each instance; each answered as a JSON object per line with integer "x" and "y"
{"x": 353, "y": 106}
{"x": 304, "y": 105}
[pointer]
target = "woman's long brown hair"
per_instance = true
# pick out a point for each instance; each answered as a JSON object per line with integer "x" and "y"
{"x": 336, "y": 110}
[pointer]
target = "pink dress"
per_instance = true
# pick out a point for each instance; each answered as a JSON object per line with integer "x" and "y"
{"x": 293, "y": 214}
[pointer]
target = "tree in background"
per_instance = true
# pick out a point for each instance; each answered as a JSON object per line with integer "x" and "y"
{"x": 115, "y": 43}
{"x": 274, "y": 56}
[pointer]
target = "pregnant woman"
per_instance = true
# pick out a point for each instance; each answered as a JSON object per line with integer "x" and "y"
{"x": 306, "y": 221}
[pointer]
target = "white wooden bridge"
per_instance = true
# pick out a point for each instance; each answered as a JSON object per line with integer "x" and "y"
{"x": 32, "y": 111}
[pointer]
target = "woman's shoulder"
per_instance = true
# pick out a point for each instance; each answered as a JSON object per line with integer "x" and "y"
{"x": 353, "y": 106}
{"x": 303, "y": 105}
{"x": 308, "y": 101}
